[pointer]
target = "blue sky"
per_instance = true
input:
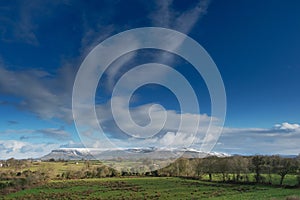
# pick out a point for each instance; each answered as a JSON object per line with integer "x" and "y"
{"x": 255, "y": 45}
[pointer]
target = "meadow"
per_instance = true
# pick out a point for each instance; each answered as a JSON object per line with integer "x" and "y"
{"x": 208, "y": 178}
{"x": 152, "y": 188}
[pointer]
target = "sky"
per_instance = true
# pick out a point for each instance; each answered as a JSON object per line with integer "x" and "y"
{"x": 254, "y": 44}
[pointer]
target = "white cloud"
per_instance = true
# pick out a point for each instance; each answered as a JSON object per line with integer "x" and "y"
{"x": 141, "y": 115}
{"x": 157, "y": 133}
{"x": 176, "y": 139}
{"x": 234, "y": 140}
{"x": 281, "y": 139}
{"x": 287, "y": 126}
{"x": 21, "y": 150}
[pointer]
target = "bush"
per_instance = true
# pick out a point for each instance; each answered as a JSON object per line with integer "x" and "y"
{"x": 298, "y": 179}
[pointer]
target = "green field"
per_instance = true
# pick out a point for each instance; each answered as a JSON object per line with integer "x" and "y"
{"x": 150, "y": 188}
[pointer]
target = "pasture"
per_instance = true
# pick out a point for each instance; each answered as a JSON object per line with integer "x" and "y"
{"x": 151, "y": 188}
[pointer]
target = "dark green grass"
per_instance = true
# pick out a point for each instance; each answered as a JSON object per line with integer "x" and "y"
{"x": 150, "y": 188}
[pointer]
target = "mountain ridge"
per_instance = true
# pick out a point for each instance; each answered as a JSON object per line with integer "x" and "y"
{"x": 127, "y": 154}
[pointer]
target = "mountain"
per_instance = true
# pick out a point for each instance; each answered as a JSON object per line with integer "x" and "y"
{"x": 288, "y": 156}
{"x": 68, "y": 154}
{"x": 126, "y": 154}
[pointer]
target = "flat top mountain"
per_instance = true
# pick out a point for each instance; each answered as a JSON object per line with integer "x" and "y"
{"x": 127, "y": 154}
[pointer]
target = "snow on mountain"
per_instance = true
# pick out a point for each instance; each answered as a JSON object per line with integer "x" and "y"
{"x": 128, "y": 154}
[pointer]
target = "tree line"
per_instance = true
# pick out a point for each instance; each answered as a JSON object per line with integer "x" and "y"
{"x": 258, "y": 168}
{"x": 234, "y": 169}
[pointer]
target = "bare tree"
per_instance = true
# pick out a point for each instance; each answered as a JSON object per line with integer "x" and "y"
{"x": 209, "y": 166}
{"x": 283, "y": 166}
{"x": 223, "y": 167}
{"x": 257, "y": 166}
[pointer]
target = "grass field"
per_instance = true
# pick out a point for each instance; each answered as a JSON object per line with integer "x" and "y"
{"x": 150, "y": 188}
{"x": 54, "y": 168}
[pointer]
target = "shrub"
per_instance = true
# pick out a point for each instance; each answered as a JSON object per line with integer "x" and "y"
{"x": 298, "y": 179}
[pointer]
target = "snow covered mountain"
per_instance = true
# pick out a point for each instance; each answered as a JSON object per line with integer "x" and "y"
{"x": 126, "y": 154}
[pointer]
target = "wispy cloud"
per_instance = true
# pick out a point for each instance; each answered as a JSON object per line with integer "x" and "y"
{"x": 12, "y": 122}
{"x": 39, "y": 93}
{"x": 49, "y": 95}
{"x": 59, "y": 134}
{"x": 25, "y": 28}
{"x": 20, "y": 29}
{"x": 166, "y": 16}
{"x": 20, "y": 21}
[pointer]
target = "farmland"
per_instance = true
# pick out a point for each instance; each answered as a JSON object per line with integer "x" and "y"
{"x": 150, "y": 188}
{"x": 237, "y": 177}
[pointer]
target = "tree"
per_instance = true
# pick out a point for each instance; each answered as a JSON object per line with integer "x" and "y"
{"x": 182, "y": 166}
{"x": 257, "y": 166}
{"x": 222, "y": 166}
{"x": 198, "y": 166}
{"x": 102, "y": 171}
{"x": 238, "y": 165}
{"x": 268, "y": 167}
{"x": 283, "y": 166}
{"x": 209, "y": 166}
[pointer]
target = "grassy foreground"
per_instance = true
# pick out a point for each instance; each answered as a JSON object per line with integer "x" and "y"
{"x": 150, "y": 188}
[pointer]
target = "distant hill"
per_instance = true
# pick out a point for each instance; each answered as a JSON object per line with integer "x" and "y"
{"x": 289, "y": 156}
{"x": 126, "y": 154}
